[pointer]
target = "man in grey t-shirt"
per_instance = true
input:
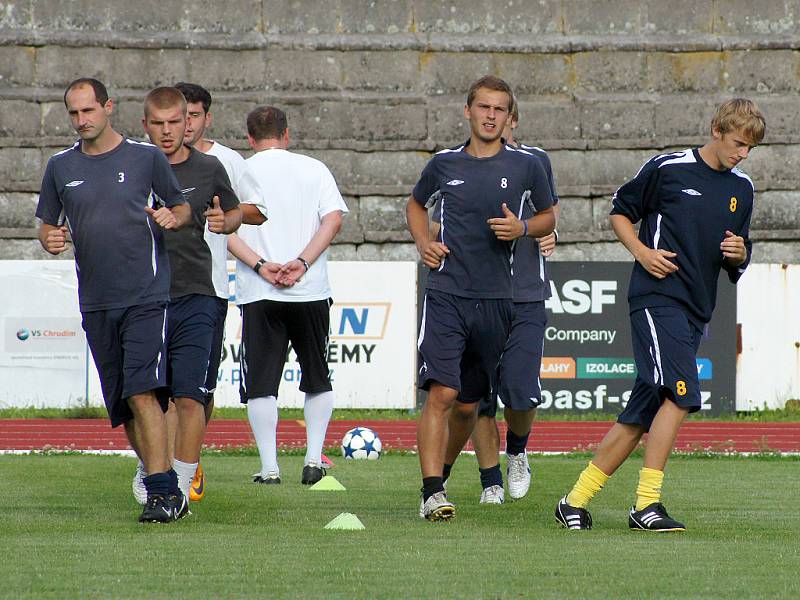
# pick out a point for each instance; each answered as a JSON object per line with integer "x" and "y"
{"x": 194, "y": 312}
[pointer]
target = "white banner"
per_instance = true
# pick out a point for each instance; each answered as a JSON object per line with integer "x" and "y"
{"x": 372, "y": 351}
{"x": 43, "y": 353}
{"x": 372, "y": 348}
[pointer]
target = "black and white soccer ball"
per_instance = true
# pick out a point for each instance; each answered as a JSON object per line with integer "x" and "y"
{"x": 361, "y": 443}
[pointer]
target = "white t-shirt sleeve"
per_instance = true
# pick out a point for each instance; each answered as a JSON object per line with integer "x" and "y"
{"x": 249, "y": 190}
{"x": 329, "y": 197}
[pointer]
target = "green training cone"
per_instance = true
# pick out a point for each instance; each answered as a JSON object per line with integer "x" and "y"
{"x": 328, "y": 484}
{"x": 345, "y": 521}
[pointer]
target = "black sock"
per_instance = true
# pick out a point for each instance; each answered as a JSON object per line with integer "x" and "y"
{"x": 515, "y": 444}
{"x": 491, "y": 476}
{"x": 173, "y": 481}
{"x": 446, "y": 472}
{"x": 430, "y": 486}
{"x": 157, "y": 484}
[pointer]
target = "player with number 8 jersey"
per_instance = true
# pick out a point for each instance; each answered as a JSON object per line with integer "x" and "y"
{"x": 695, "y": 207}
{"x": 486, "y": 192}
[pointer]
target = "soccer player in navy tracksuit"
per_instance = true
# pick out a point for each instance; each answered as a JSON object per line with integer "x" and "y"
{"x": 468, "y": 303}
{"x": 695, "y": 208}
{"x": 519, "y": 386}
{"x": 108, "y": 189}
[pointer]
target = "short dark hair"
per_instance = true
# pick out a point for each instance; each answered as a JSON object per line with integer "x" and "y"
{"x": 195, "y": 93}
{"x": 490, "y": 82}
{"x": 100, "y": 91}
{"x": 266, "y": 123}
{"x": 164, "y": 97}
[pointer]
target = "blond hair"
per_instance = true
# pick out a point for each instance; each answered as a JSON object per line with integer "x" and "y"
{"x": 740, "y": 114}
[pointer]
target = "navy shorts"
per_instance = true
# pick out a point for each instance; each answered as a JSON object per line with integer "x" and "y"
{"x": 518, "y": 386}
{"x": 461, "y": 340}
{"x": 665, "y": 344}
{"x": 268, "y": 326}
{"x": 129, "y": 351}
{"x": 191, "y": 322}
{"x": 216, "y": 349}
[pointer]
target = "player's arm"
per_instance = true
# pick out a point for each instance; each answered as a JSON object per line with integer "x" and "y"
{"x": 254, "y": 208}
{"x": 250, "y": 258}
{"x": 431, "y": 251}
{"x": 655, "y": 262}
{"x": 222, "y": 221}
{"x": 172, "y": 218}
{"x": 329, "y": 226}
{"x": 251, "y": 214}
{"x": 53, "y": 238}
{"x": 50, "y": 210}
{"x": 737, "y": 248}
{"x": 224, "y": 214}
{"x": 510, "y": 227}
{"x": 547, "y": 244}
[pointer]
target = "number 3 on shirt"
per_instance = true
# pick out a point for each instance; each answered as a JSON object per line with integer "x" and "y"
{"x": 733, "y": 204}
{"x": 121, "y": 177}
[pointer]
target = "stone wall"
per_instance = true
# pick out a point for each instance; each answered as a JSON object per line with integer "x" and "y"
{"x": 373, "y": 87}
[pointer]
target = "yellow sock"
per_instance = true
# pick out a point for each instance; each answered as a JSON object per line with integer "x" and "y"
{"x": 649, "y": 489}
{"x": 589, "y": 483}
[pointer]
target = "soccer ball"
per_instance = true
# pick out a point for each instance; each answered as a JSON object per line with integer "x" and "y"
{"x": 361, "y": 443}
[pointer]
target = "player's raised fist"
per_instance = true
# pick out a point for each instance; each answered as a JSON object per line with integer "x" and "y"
{"x": 215, "y": 217}
{"x": 56, "y": 240}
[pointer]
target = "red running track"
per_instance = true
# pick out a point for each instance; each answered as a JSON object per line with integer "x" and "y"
{"x": 548, "y": 436}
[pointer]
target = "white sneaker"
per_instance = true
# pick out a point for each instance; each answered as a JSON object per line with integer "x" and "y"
{"x": 518, "y": 474}
{"x": 493, "y": 494}
{"x": 139, "y": 491}
{"x": 422, "y": 502}
{"x": 438, "y": 508}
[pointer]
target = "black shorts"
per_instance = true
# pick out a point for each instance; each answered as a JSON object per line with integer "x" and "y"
{"x": 191, "y": 323}
{"x": 518, "y": 386}
{"x": 216, "y": 349}
{"x": 665, "y": 344}
{"x": 268, "y": 326}
{"x": 461, "y": 341}
{"x": 129, "y": 350}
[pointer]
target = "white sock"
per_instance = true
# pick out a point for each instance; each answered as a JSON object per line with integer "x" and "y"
{"x": 185, "y": 473}
{"x": 141, "y": 466}
{"x": 263, "y": 415}
{"x": 317, "y": 411}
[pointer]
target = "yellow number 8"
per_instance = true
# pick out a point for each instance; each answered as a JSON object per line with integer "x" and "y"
{"x": 681, "y": 388}
{"x": 733, "y": 204}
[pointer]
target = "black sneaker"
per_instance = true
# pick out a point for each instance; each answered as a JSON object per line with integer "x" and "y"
{"x": 180, "y": 505}
{"x": 653, "y": 518}
{"x": 270, "y": 478}
{"x": 157, "y": 509}
{"x": 312, "y": 473}
{"x": 572, "y": 517}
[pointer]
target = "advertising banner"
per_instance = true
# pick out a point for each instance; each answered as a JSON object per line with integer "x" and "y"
{"x": 43, "y": 353}
{"x": 588, "y": 364}
{"x": 372, "y": 348}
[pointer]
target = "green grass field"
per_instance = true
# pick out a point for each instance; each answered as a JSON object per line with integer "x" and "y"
{"x": 68, "y": 530}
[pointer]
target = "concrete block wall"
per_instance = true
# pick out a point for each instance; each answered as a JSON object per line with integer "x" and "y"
{"x": 373, "y": 87}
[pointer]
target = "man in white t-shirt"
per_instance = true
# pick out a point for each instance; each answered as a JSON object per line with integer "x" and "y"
{"x": 283, "y": 291}
{"x": 254, "y": 212}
